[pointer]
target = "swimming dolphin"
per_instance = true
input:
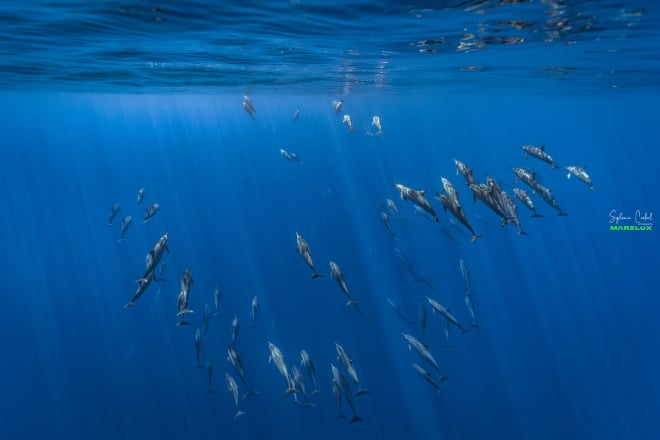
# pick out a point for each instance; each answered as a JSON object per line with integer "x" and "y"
{"x": 466, "y": 171}
{"x": 438, "y": 308}
{"x": 143, "y": 284}
{"x": 184, "y": 293}
{"x": 125, "y": 223}
{"x": 347, "y": 362}
{"x": 277, "y": 357}
{"x": 235, "y": 327}
{"x": 337, "y": 274}
{"x": 248, "y": 106}
{"x": 254, "y": 307}
{"x": 151, "y": 211}
{"x": 457, "y": 212}
{"x": 343, "y": 385}
{"x": 526, "y": 199}
{"x": 422, "y": 349}
{"x": 416, "y": 197}
{"x": 581, "y": 174}
{"x": 116, "y": 208}
{"x": 236, "y": 362}
{"x": 306, "y": 361}
{"x": 375, "y": 121}
{"x": 153, "y": 257}
{"x": 539, "y": 153}
{"x": 232, "y": 387}
{"x": 303, "y": 249}
{"x": 140, "y": 195}
{"x": 198, "y": 346}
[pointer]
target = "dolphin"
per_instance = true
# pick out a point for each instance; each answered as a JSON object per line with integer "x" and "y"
{"x": 248, "y": 106}
{"x": 151, "y": 211}
{"x": 416, "y": 197}
{"x": 427, "y": 376}
{"x": 209, "y": 372}
{"x": 140, "y": 195}
{"x": 154, "y": 255}
{"x": 217, "y": 295}
{"x": 347, "y": 362}
{"x": 345, "y": 389}
{"x": 235, "y": 327}
{"x": 581, "y": 174}
{"x": 116, "y": 208}
{"x": 306, "y": 361}
{"x": 277, "y": 357}
{"x": 254, "y": 307}
{"x": 539, "y": 153}
{"x": 182, "y": 300}
{"x": 236, "y": 362}
{"x": 526, "y": 199}
{"x": 457, "y": 212}
{"x": 438, "y": 308}
{"x": 466, "y": 171}
{"x": 303, "y": 249}
{"x": 206, "y": 315}
{"x": 143, "y": 284}
{"x": 198, "y": 346}
{"x": 232, "y": 387}
{"x": 337, "y": 274}
{"x": 422, "y": 349}
{"x": 125, "y": 223}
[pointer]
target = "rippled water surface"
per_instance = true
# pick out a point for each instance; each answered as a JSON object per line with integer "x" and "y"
{"x": 340, "y": 46}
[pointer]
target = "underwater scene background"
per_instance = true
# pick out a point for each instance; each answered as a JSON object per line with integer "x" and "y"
{"x": 194, "y": 101}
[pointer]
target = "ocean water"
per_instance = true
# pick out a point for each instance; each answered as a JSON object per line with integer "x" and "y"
{"x": 100, "y": 99}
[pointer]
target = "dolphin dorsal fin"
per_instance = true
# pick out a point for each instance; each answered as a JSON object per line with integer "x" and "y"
{"x": 422, "y": 192}
{"x": 542, "y": 147}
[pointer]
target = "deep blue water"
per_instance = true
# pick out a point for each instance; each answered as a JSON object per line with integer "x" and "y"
{"x": 568, "y": 340}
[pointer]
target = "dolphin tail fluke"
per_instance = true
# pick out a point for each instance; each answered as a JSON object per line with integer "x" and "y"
{"x": 183, "y": 312}
{"x": 475, "y": 237}
{"x": 310, "y": 405}
{"x": 537, "y": 215}
{"x": 555, "y": 166}
{"x": 182, "y": 323}
{"x": 355, "y": 419}
{"x": 315, "y": 392}
{"x": 475, "y": 326}
{"x": 216, "y": 314}
{"x": 290, "y": 391}
{"x": 352, "y": 302}
{"x": 121, "y": 240}
{"x": 341, "y": 416}
{"x": 239, "y": 412}
{"x": 435, "y": 217}
{"x": 315, "y": 275}
{"x": 562, "y": 214}
{"x": 591, "y": 188}
{"x": 253, "y": 325}
{"x": 362, "y": 391}
{"x": 129, "y": 305}
{"x": 521, "y": 232}
{"x": 210, "y": 391}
